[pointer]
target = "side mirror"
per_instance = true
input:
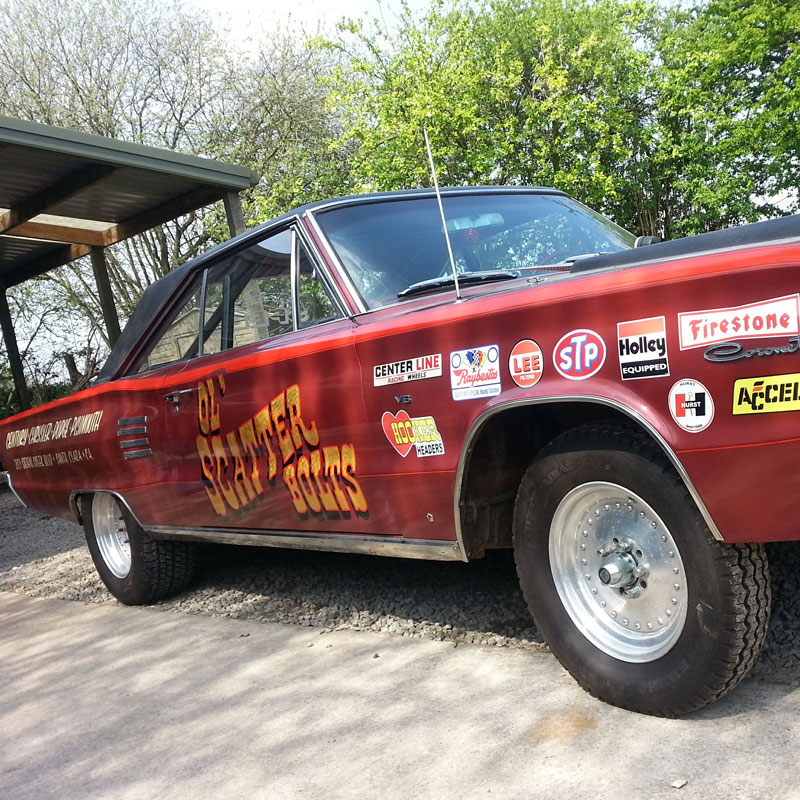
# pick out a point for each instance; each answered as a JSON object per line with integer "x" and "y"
{"x": 642, "y": 241}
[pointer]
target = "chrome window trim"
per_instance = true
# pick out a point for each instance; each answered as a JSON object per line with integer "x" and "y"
{"x": 480, "y": 421}
{"x": 324, "y": 276}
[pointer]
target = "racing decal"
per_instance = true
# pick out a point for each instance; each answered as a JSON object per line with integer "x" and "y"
{"x": 475, "y": 372}
{"x": 409, "y": 369}
{"x": 779, "y": 316}
{"x": 733, "y": 351}
{"x": 642, "y": 345}
{"x": 53, "y": 431}
{"x": 691, "y": 405}
{"x": 579, "y": 354}
{"x": 767, "y": 395}
{"x": 238, "y": 466}
{"x": 405, "y": 432}
{"x": 525, "y": 363}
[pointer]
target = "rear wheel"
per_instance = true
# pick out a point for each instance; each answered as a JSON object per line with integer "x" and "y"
{"x": 135, "y": 567}
{"x": 625, "y": 581}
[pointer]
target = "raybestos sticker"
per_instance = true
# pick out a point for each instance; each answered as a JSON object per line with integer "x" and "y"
{"x": 475, "y": 372}
{"x": 691, "y": 405}
{"x": 405, "y": 432}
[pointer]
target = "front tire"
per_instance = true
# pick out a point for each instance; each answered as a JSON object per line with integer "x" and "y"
{"x": 626, "y": 582}
{"x": 136, "y": 568}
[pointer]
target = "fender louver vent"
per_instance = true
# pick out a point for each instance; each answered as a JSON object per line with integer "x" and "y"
{"x": 136, "y": 447}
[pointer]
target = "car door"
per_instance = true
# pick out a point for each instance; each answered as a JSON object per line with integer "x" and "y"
{"x": 265, "y": 421}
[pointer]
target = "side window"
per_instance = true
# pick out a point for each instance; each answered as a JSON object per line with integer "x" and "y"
{"x": 179, "y": 339}
{"x": 315, "y": 304}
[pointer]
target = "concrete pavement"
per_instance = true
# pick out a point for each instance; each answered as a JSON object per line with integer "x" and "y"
{"x": 129, "y": 703}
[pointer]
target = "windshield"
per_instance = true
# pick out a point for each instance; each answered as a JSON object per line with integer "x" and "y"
{"x": 390, "y": 245}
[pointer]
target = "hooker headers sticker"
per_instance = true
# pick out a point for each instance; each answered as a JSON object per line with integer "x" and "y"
{"x": 475, "y": 372}
{"x": 409, "y": 369}
{"x": 405, "y": 432}
{"x": 766, "y": 395}
{"x": 642, "y": 347}
{"x": 779, "y": 316}
{"x": 691, "y": 405}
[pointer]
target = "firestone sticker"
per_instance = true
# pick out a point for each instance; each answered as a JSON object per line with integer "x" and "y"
{"x": 579, "y": 354}
{"x": 691, "y": 405}
{"x": 779, "y": 316}
{"x": 525, "y": 363}
{"x": 767, "y": 395}
{"x": 642, "y": 345}
{"x": 409, "y": 369}
{"x": 405, "y": 432}
{"x": 475, "y": 372}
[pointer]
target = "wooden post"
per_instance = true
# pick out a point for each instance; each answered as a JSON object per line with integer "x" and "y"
{"x": 10, "y": 338}
{"x": 104, "y": 293}
{"x": 234, "y": 213}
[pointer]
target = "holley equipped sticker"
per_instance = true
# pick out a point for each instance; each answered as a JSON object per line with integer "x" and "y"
{"x": 475, "y": 372}
{"x": 691, "y": 405}
{"x": 642, "y": 345}
{"x": 405, "y": 432}
{"x": 525, "y": 363}
{"x": 779, "y": 316}
{"x": 409, "y": 369}
{"x": 767, "y": 395}
{"x": 579, "y": 354}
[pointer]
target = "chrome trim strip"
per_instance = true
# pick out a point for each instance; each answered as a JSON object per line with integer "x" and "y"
{"x": 333, "y": 543}
{"x": 324, "y": 274}
{"x": 131, "y": 421}
{"x": 127, "y": 444}
{"x": 476, "y": 426}
{"x": 131, "y": 431}
{"x": 14, "y": 491}
{"x": 137, "y": 453}
{"x": 355, "y": 296}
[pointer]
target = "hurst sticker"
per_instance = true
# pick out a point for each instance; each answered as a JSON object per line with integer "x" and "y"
{"x": 767, "y": 395}
{"x": 525, "y": 363}
{"x": 475, "y": 372}
{"x": 409, "y": 369}
{"x": 779, "y": 316}
{"x": 579, "y": 354}
{"x": 691, "y": 405}
{"x": 279, "y": 444}
{"x": 642, "y": 345}
{"x": 405, "y": 432}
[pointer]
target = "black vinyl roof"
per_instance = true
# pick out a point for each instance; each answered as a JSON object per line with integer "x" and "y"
{"x": 62, "y": 192}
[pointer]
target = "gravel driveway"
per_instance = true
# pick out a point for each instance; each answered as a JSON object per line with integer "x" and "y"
{"x": 475, "y": 603}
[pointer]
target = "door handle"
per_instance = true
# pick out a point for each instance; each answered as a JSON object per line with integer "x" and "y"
{"x": 175, "y": 397}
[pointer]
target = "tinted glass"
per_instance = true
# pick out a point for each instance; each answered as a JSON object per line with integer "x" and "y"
{"x": 390, "y": 245}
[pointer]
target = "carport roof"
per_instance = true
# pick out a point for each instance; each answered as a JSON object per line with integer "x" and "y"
{"x": 62, "y": 192}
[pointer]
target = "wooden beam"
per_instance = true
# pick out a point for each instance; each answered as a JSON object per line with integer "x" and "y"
{"x": 105, "y": 295}
{"x": 234, "y": 213}
{"x": 55, "y": 193}
{"x": 38, "y": 266}
{"x": 57, "y": 233}
{"x": 14, "y": 360}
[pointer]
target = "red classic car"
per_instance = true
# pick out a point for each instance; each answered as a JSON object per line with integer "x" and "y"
{"x": 358, "y": 375}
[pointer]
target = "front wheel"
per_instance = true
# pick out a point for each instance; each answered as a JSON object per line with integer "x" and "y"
{"x": 135, "y": 567}
{"x": 625, "y": 581}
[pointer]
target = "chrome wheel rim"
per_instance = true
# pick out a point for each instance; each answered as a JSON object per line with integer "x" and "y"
{"x": 618, "y": 572}
{"x": 111, "y": 534}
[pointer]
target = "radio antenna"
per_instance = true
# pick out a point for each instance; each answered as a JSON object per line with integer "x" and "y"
{"x": 441, "y": 211}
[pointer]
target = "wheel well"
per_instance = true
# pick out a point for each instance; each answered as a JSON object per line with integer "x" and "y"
{"x": 498, "y": 456}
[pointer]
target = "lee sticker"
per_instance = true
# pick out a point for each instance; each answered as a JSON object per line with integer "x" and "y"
{"x": 405, "y": 432}
{"x": 642, "y": 345}
{"x": 579, "y": 354}
{"x": 767, "y": 395}
{"x": 525, "y": 363}
{"x": 691, "y": 405}
{"x": 777, "y": 317}
{"x": 409, "y": 369}
{"x": 475, "y": 372}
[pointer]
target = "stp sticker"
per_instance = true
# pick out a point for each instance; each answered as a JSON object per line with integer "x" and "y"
{"x": 779, "y": 316}
{"x": 525, "y": 363}
{"x": 579, "y": 354}
{"x": 409, "y": 369}
{"x": 405, "y": 432}
{"x": 475, "y": 372}
{"x": 642, "y": 347}
{"x": 767, "y": 395}
{"x": 691, "y": 405}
